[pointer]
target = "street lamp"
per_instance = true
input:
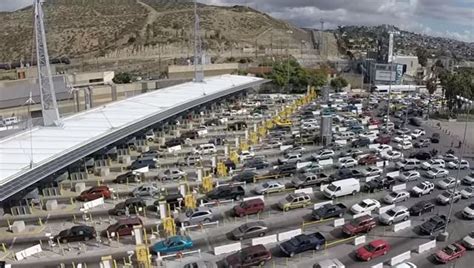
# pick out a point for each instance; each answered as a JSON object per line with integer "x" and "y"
{"x": 467, "y": 102}
{"x": 289, "y": 32}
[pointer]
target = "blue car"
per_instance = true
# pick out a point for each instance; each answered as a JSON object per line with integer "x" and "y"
{"x": 173, "y": 244}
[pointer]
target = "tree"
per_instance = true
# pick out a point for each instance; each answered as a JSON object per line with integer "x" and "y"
{"x": 338, "y": 83}
{"x": 290, "y": 74}
{"x": 461, "y": 83}
{"x": 122, "y": 78}
{"x": 422, "y": 55}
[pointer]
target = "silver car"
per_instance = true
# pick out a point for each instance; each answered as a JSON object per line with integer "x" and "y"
{"x": 445, "y": 197}
{"x": 144, "y": 190}
{"x": 394, "y": 215}
{"x": 249, "y": 230}
{"x": 396, "y": 196}
{"x": 198, "y": 216}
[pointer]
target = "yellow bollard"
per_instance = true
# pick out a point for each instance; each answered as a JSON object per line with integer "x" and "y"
{"x": 4, "y": 248}
{"x": 40, "y": 222}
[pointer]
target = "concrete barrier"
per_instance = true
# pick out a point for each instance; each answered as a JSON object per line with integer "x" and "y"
{"x": 341, "y": 142}
{"x": 264, "y": 240}
{"x": 173, "y": 256}
{"x": 303, "y": 164}
{"x": 367, "y": 179}
{"x": 426, "y": 246}
{"x": 174, "y": 149}
{"x": 93, "y": 203}
{"x": 371, "y": 127}
{"x": 317, "y": 205}
{"x": 255, "y": 197}
{"x": 402, "y": 225}
{"x": 284, "y": 147}
{"x": 359, "y": 240}
{"x": 374, "y": 146}
{"x": 394, "y": 174}
{"x": 304, "y": 190}
{"x": 399, "y": 258}
{"x": 384, "y": 209}
{"x": 227, "y": 248}
{"x": 326, "y": 162}
{"x": 355, "y": 216}
{"x": 288, "y": 235}
{"x": 378, "y": 265}
{"x": 20, "y": 255}
{"x": 338, "y": 222}
{"x": 380, "y": 163}
{"x": 399, "y": 187}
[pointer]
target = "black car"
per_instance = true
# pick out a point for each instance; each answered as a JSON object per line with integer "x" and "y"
{"x": 174, "y": 142}
{"x": 235, "y": 192}
{"x": 285, "y": 169}
{"x": 361, "y": 142}
{"x": 212, "y": 122}
{"x": 346, "y": 173}
{"x": 415, "y": 121}
{"x": 256, "y": 163}
{"x": 229, "y": 164}
{"x": 239, "y": 125}
{"x": 422, "y": 143}
{"x": 76, "y": 233}
{"x": 133, "y": 205}
{"x": 128, "y": 177}
{"x": 434, "y": 224}
{"x": 435, "y": 138}
{"x": 245, "y": 176}
{"x": 421, "y": 155}
{"x": 192, "y": 134}
{"x": 421, "y": 207}
{"x": 174, "y": 199}
{"x": 379, "y": 184}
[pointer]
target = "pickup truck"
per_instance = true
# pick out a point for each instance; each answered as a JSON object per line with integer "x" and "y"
{"x": 302, "y": 243}
{"x": 329, "y": 211}
{"x": 423, "y": 188}
{"x": 346, "y": 173}
{"x": 303, "y": 180}
{"x": 379, "y": 184}
{"x": 434, "y": 224}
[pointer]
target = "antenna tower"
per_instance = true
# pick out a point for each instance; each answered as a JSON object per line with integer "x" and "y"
{"x": 45, "y": 81}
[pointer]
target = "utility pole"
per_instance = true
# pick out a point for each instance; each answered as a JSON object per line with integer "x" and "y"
{"x": 29, "y": 102}
{"x": 321, "y": 36}
{"x": 49, "y": 105}
{"x": 289, "y": 32}
{"x": 198, "y": 60}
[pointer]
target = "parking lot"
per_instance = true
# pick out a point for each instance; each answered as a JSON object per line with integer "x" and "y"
{"x": 195, "y": 180}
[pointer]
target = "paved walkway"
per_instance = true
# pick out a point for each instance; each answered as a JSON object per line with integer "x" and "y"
{"x": 456, "y": 130}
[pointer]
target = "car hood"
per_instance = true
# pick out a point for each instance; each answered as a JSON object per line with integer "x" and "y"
{"x": 160, "y": 246}
{"x": 468, "y": 240}
{"x": 236, "y": 233}
{"x": 442, "y": 255}
{"x": 356, "y": 208}
{"x": 120, "y": 205}
{"x": 388, "y": 198}
{"x": 363, "y": 252}
{"x": 385, "y": 217}
{"x": 233, "y": 259}
{"x": 260, "y": 188}
{"x": 428, "y": 225}
{"x": 469, "y": 211}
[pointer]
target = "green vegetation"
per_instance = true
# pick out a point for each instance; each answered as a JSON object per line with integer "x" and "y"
{"x": 290, "y": 74}
{"x": 338, "y": 83}
{"x": 122, "y": 78}
{"x": 460, "y": 83}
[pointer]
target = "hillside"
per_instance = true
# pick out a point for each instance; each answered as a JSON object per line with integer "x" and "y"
{"x": 124, "y": 28}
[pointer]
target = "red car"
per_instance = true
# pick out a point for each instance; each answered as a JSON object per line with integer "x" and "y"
{"x": 383, "y": 139}
{"x": 374, "y": 121}
{"x": 450, "y": 253}
{"x": 252, "y": 206}
{"x": 368, "y": 160}
{"x": 95, "y": 193}
{"x": 372, "y": 250}
{"x": 362, "y": 224}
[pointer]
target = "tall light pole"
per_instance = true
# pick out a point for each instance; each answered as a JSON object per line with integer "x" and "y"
{"x": 289, "y": 32}
{"x": 467, "y": 102}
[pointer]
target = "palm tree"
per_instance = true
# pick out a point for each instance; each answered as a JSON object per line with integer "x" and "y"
{"x": 431, "y": 85}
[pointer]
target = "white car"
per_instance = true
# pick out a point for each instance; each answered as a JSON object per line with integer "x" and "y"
{"x": 467, "y": 192}
{"x": 269, "y": 187}
{"x": 245, "y": 155}
{"x": 469, "y": 179}
{"x": 468, "y": 213}
{"x": 449, "y": 157}
{"x": 411, "y": 175}
{"x": 366, "y": 205}
{"x": 310, "y": 121}
{"x": 468, "y": 240}
{"x": 347, "y": 163}
{"x": 383, "y": 148}
{"x": 371, "y": 171}
{"x": 309, "y": 126}
{"x": 404, "y": 145}
{"x": 396, "y": 196}
{"x": 392, "y": 155}
{"x": 423, "y": 188}
{"x": 447, "y": 183}
{"x": 401, "y": 138}
{"x": 438, "y": 163}
{"x": 417, "y": 133}
{"x": 434, "y": 173}
{"x": 455, "y": 164}
{"x": 371, "y": 135}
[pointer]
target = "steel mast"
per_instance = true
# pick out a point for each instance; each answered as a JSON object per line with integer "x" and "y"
{"x": 45, "y": 81}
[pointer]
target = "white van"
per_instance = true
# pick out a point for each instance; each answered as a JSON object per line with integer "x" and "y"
{"x": 344, "y": 136}
{"x": 342, "y": 188}
{"x": 207, "y": 148}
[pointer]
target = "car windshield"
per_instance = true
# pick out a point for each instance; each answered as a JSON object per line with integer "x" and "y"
{"x": 449, "y": 249}
{"x": 265, "y": 185}
{"x": 168, "y": 242}
{"x": 243, "y": 228}
{"x": 243, "y": 205}
{"x": 332, "y": 187}
{"x": 390, "y": 212}
{"x": 471, "y": 206}
{"x": 393, "y": 194}
{"x": 289, "y": 198}
{"x": 369, "y": 248}
{"x": 446, "y": 194}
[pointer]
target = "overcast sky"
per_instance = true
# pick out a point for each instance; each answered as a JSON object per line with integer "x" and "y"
{"x": 448, "y": 18}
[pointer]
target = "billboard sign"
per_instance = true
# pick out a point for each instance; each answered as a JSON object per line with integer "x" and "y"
{"x": 384, "y": 75}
